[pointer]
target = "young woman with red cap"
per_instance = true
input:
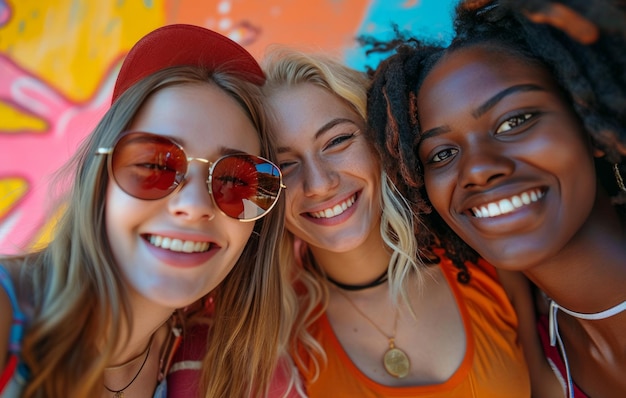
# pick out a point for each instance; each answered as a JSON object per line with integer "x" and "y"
{"x": 144, "y": 233}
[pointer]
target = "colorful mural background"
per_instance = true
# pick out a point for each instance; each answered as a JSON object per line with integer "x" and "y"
{"x": 59, "y": 59}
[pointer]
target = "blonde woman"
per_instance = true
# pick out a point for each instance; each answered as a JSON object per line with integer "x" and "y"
{"x": 371, "y": 314}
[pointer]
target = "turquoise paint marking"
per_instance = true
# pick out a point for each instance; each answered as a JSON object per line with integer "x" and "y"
{"x": 428, "y": 18}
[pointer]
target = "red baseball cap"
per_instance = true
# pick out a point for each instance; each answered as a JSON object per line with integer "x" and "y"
{"x": 182, "y": 44}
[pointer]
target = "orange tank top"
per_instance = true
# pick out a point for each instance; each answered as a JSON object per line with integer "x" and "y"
{"x": 494, "y": 364}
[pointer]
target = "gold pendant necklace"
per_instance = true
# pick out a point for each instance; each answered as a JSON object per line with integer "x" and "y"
{"x": 395, "y": 361}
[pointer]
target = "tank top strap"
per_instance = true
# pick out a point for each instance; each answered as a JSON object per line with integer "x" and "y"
{"x": 555, "y": 337}
{"x": 17, "y": 328}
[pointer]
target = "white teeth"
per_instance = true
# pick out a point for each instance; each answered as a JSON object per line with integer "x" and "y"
{"x": 493, "y": 209}
{"x": 508, "y": 205}
{"x": 335, "y": 210}
{"x": 189, "y": 246}
{"x": 178, "y": 245}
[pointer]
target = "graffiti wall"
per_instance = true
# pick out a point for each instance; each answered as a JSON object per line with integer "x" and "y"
{"x": 59, "y": 60}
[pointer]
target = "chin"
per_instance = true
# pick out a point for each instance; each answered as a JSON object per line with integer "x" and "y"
{"x": 511, "y": 260}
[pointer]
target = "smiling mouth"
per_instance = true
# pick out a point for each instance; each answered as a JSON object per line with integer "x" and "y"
{"x": 508, "y": 205}
{"x": 335, "y": 210}
{"x": 178, "y": 245}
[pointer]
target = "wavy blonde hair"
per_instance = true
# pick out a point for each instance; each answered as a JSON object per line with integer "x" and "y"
{"x": 80, "y": 304}
{"x": 305, "y": 290}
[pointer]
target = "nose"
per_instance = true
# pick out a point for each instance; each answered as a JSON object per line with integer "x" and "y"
{"x": 484, "y": 162}
{"x": 193, "y": 201}
{"x": 319, "y": 178}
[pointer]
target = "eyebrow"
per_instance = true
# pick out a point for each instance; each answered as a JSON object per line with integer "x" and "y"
{"x": 485, "y": 107}
{"x": 491, "y": 102}
{"x": 321, "y": 131}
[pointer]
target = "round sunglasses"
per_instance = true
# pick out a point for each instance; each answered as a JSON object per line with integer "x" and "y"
{"x": 149, "y": 167}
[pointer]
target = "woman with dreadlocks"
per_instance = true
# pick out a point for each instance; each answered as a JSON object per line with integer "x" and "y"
{"x": 514, "y": 134}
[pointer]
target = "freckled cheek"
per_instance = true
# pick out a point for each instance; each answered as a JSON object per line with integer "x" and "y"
{"x": 363, "y": 164}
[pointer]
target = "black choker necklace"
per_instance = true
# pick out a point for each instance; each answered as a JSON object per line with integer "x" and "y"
{"x": 378, "y": 281}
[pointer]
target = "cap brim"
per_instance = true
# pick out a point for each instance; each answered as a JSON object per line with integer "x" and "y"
{"x": 182, "y": 44}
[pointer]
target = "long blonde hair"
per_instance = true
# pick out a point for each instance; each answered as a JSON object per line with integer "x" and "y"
{"x": 306, "y": 293}
{"x": 77, "y": 294}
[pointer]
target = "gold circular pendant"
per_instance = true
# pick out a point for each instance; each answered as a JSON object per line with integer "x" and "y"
{"x": 396, "y": 363}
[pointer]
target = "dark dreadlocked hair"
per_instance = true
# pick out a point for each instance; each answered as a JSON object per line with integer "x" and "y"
{"x": 592, "y": 77}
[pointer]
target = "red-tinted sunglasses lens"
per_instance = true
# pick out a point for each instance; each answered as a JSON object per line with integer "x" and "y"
{"x": 245, "y": 187}
{"x": 148, "y": 166}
